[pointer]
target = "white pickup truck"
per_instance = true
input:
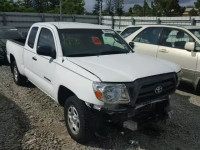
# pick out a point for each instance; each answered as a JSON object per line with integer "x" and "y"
{"x": 92, "y": 72}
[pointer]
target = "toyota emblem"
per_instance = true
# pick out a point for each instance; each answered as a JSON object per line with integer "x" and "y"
{"x": 158, "y": 89}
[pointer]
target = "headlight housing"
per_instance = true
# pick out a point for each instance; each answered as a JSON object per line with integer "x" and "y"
{"x": 111, "y": 93}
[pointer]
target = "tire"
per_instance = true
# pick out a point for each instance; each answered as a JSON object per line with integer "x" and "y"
{"x": 197, "y": 91}
{"x": 17, "y": 77}
{"x": 80, "y": 128}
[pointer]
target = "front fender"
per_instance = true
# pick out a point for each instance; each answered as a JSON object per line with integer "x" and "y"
{"x": 80, "y": 85}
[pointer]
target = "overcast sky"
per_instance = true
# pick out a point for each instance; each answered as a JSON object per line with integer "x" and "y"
{"x": 89, "y": 4}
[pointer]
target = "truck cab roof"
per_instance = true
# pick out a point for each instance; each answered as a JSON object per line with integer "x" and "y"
{"x": 73, "y": 25}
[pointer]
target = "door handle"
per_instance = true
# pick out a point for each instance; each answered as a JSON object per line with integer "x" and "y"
{"x": 34, "y": 58}
{"x": 163, "y": 51}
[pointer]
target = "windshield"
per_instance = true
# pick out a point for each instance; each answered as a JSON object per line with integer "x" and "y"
{"x": 196, "y": 32}
{"x": 9, "y": 34}
{"x": 91, "y": 42}
{"x": 129, "y": 31}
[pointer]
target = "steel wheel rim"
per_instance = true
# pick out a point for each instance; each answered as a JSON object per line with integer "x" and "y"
{"x": 15, "y": 73}
{"x": 73, "y": 120}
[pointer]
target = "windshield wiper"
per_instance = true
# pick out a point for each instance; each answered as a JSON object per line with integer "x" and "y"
{"x": 113, "y": 52}
{"x": 81, "y": 55}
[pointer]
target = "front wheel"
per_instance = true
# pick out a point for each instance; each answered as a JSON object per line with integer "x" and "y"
{"x": 78, "y": 120}
{"x": 18, "y": 78}
{"x": 197, "y": 90}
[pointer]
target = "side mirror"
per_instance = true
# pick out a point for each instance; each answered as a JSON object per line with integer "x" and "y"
{"x": 46, "y": 51}
{"x": 132, "y": 44}
{"x": 190, "y": 46}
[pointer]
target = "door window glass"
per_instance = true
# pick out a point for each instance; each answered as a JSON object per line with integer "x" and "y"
{"x": 197, "y": 47}
{"x": 175, "y": 38}
{"x": 149, "y": 36}
{"x": 46, "y": 39}
{"x": 32, "y": 36}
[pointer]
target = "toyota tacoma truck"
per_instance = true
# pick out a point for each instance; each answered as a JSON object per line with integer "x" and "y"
{"x": 94, "y": 74}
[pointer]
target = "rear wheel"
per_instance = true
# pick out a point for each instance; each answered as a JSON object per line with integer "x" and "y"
{"x": 78, "y": 120}
{"x": 18, "y": 78}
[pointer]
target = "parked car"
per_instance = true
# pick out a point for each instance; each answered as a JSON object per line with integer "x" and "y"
{"x": 92, "y": 72}
{"x": 118, "y": 31}
{"x": 172, "y": 43}
{"x": 6, "y": 33}
{"x": 129, "y": 30}
{"x": 194, "y": 29}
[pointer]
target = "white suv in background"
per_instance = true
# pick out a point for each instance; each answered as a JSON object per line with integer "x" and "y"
{"x": 176, "y": 44}
{"x": 128, "y": 31}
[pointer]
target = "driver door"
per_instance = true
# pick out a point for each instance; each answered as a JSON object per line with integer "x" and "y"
{"x": 146, "y": 42}
{"x": 44, "y": 66}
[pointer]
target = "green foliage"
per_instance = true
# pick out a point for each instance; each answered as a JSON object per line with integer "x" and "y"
{"x": 97, "y": 7}
{"x": 158, "y": 8}
{"x": 109, "y": 8}
{"x": 70, "y": 7}
{"x": 197, "y": 6}
{"x": 146, "y": 9}
{"x": 10, "y": 6}
{"x": 137, "y": 10}
{"x": 114, "y": 7}
{"x": 118, "y": 5}
{"x": 167, "y": 8}
{"x": 193, "y": 12}
{"x": 73, "y": 7}
{"x": 42, "y": 6}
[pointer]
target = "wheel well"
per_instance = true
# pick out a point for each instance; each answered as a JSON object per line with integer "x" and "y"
{"x": 63, "y": 94}
{"x": 12, "y": 59}
{"x": 197, "y": 84}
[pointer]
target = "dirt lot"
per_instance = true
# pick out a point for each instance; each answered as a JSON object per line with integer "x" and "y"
{"x": 31, "y": 120}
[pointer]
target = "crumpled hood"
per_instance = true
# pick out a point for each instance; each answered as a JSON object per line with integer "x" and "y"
{"x": 124, "y": 67}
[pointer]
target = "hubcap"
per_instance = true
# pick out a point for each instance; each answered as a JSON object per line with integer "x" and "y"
{"x": 15, "y": 73}
{"x": 73, "y": 120}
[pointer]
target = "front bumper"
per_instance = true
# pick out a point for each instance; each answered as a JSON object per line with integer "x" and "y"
{"x": 154, "y": 110}
{"x": 145, "y": 103}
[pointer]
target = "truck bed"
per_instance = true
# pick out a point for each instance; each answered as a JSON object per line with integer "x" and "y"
{"x": 16, "y": 48}
{"x": 19, "y": 41}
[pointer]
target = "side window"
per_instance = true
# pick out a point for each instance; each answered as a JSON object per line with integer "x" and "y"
{"x": 129, "y": 31}
{"x": 46, "y": 39}
{"x": 149, "y": 36}
{"x": 197, "y": 47}
{"x": 32, "y": 36}
{"x": 175, "y": 38}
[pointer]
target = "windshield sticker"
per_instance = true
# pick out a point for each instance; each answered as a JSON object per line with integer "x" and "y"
{"x": 96, "y": 40}
{"x": 108, "y": 31}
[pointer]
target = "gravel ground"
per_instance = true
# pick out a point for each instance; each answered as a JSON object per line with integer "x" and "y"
{"x": 31, "y": 120}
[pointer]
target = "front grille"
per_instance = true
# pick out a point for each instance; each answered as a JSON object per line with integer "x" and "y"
{"x": 143, "y": 90}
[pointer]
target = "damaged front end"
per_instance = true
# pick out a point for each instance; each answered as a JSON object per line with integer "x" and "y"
{"x": 149, "y": 101}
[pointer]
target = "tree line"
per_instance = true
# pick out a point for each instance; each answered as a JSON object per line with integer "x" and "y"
{"x": 108, "y": 7}
{"x": 163, "y": 8}
{"x": 43, "y": 6}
